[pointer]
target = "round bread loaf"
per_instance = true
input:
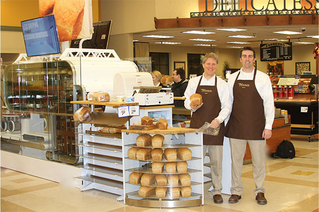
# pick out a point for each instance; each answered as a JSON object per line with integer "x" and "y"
{"x": 196, "y": 99}
{"x": 83, "y": 115}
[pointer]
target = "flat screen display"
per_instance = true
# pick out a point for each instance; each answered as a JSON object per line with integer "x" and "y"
{"x": 41, "y": 36}
{"x": 100, "y": 36}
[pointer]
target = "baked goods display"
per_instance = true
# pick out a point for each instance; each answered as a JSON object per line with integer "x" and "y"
{"x": 83, "y": 114}
{"x": 166, "y": 169}
{"x": 147, "y": 123}
{"x": 196, "y": 99}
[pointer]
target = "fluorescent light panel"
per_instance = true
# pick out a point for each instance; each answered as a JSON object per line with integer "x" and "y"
{"x": 241, "y": 36}
{"x": 288, "y": 32}
{"x": 168, "y": 43}
{"x": 200, "y": 39}
{"x": 232, "y": 29}
{"x": 158, "y": 36}
{"x": 237, "y": 42}
{"x": 198, "y": 32}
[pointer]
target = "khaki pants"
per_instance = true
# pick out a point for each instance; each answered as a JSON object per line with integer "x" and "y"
{"x": 258, "y": 154}
{"x": 216, "y": 160}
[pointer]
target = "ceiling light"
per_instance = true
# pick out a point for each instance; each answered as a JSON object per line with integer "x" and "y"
{"x": 271, "y": 39}
{"x": 232, "y": 29}
{"x": 304, "y": 43}
{"x": 288, "y": 32}
{"x": 315, "y": 36}
{"x": 200, "y": 39}
{"x": 168, "y": 43}
{"x": 199, "y": 32}
{"x": 234, "y": 47}
{"x": 203, "y": 44}
{"x": 135, "y": 40}
{"x": 241, "y": 36}
{"x": 158, "y": 36}
{"x": 237, "y": 42}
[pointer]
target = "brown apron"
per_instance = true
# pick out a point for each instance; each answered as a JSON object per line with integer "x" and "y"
{"x": 247, "y": 119}
{"x": 207, "y": 112}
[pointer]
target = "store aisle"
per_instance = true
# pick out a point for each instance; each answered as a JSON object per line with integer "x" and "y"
{"x": 291, "y": 185}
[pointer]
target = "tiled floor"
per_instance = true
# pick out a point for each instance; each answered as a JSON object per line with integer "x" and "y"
{"x": 291, "y": 185}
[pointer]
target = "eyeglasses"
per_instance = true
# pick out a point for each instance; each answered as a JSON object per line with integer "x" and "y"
{"x": 249, "y": 56}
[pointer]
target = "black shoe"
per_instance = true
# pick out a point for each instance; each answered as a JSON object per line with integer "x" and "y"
{"x": 234, "y": 198}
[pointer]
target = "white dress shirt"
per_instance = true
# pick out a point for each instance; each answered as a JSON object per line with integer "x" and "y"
{"x": 264, "y": 88}
{"x": 222, "y": 90}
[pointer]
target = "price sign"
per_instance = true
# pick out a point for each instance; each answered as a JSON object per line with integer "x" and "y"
{"x": 132, "y": 110}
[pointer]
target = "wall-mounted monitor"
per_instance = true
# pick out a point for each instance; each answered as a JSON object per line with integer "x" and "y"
{"x": 100, "y": 37}
{"x": 41, "y": 36}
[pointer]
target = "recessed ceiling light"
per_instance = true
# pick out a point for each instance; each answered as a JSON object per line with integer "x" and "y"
{"x": 199, "y": 32}
{"x": 241, "y": 36}
{"x": 232, "y": 29}
{"x": 234, "y": 47}
{"x": 158, "y": 36}
{"x": 237, "y": 42}
{"x": 288, "y": 32}
{"x": 200, "y": 39}
{"x": 203, "y": 44}
{"x": 304, "y": 43}
{"x": 135, "y": 40}
{"x": 315, "y": 36}
{"x": 168, "y": 43}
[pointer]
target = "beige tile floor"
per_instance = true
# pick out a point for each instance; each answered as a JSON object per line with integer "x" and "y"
{"x": 291, "y": 185}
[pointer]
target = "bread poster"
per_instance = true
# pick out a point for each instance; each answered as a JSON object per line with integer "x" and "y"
{"x": 73, "y": 17}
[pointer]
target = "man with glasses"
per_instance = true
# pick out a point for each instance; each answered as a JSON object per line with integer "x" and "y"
{"x": 250, "y": 121}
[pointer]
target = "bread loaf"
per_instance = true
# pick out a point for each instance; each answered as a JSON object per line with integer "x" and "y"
{"x": 185, "y": 179}
{"x": 186, "y": 191}
{"x": 162, "y": 124}
{"x": 157, "y": 167}
{"x": 83, "y": 115}
{"x": 170, "y": 154}
{"x": 173, "y": 180}
{"x": 175, "y": 192}
{"x": 181, "y": 166}
{"x": 46, "y": 7}
{"x": 101, "y": 97}
{"x": 184, "y": 153}
{"x": 147, "y": 179}
{"x": 143, "y": 154}
{"x": 196, "y": 99}
{"x": 161, "y": 180}
{"x": 170, "y": 167}
{"x": 143, "y": 140}
{"x": 146, "y": 191}
{"x": 146, "y": 120}
{"x": 135, "y": 177}
{"x": 69, "y": 18}
{"x": 157, "y": 154}
{"x": 111, "y": 129}
{"x": 157, "y": 141}
{"x": 161, "y": 192}
{"x": 132, "y": 152}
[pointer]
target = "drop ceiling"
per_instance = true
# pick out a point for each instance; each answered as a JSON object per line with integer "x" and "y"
{"x": 259, "y": 33}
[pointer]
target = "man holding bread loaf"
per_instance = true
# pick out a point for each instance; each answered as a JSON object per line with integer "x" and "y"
{"x": 207, "y": 96}
{"x": 250, "y": 121}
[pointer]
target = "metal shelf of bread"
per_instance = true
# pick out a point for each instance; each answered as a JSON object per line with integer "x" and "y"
{"x": 161, "y": 167}
{"x": 100, "y": 131}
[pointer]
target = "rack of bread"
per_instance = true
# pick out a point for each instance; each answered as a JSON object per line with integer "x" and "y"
{"x": 162, "y": 167}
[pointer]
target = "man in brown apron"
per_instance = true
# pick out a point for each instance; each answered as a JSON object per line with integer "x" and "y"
{"x": 250, "y": 121}
{"x": 214, "y": 110}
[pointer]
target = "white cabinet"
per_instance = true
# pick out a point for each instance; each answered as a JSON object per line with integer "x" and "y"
{"x": 174, "y": 138}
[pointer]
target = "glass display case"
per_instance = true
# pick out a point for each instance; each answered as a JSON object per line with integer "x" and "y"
{"x": 37, "y": 116}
